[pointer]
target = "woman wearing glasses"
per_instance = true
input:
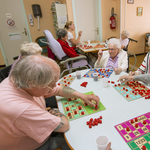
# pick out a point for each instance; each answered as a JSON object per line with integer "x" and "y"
{"x": 115, "y": 58}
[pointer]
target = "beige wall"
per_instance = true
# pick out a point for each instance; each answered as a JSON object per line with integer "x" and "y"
{"x": 138, "y": 25}
{"x": 106, "y": 6}
{"x": 46, "y": 22}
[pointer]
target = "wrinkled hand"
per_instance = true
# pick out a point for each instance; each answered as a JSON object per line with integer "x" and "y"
{"x": 108, "y": 146}
{"x": 88, "y": 99}
{"x": 117, "y": 70}
{"x": 100, "y": 54}
{"x": 125, "y": 78}
{"x": 80, "y": 33}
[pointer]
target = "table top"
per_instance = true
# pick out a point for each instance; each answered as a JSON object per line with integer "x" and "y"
{"x": 118, "y": 110}
{"x": 92, "y": 49}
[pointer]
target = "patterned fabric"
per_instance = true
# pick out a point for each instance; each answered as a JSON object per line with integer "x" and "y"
{"x": 145, "y": 67}
{"x": 112, "y": 63}
{"x": 124, "y": 42}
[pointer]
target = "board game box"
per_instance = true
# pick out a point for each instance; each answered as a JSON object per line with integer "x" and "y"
{"x": 136, "y": 132}
{"x": 76, "y": 108}
{"x": 102, "y": 73}
{"x": 132, "y": 90}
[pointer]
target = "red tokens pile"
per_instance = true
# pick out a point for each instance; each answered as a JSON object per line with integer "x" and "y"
{"x": 84, "y": 84}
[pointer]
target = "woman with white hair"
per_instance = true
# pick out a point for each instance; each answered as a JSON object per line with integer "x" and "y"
{"x": 115, "y": 58}
{"x": 124, "y": 39}
{"x": 145, "y": 66}
{"x": 26, "y": 49}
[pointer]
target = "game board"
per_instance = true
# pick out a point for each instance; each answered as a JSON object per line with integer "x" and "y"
{"x": 78, "y": 108}
{"x": 102, "y": 73}
{"x": 132, "y": 90}
{"x": 66, "y": 80}
{"x": 136, "y": 132}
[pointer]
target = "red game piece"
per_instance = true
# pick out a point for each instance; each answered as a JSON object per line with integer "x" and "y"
{"x": 64, "y": 77}
{"x": 86, "y": 104}
{"x": 108, "y": 81}
{"x": 84, "y": 75}
{"x": 67, "y": 108}
{"x": 91, "y": 119}
{"x": 69, "y": 75}
{"x": 132, "y": 91}
{"x": 112, "y": 82}
{"x": 118, "y": 84}
{"x": 127, "y": 96}
{"x": 75, "y": 112}
{"x": 100, "y": 117}
{"x": 126, "y": 90}
{"x": 65, "y": 84}
{"x": 100, "y": 121}
{"x": 108, "y": 70}
{"x": 68, "y": 82}
{"x": 69, "y": 99}
{"x": 136, "y": 119}
{"x": 82, "y": 113}
{"x": 144, "y": 122}
{"x": 143, "y": 147}
{"x": 87, "y": 122}
{"x": 115, "y": 85}
{"x": 96, "y": 106}
{"x": 65, "y": 81}
{"x": 79, "y": 108}
{"x": 132, "y": 121}
{"x": 136, "y": 125}
{"x": 90, "y": 126}
{"x": 135, "y": 93}
{"x": 127, "y": 129}
{"x": 69, "y": 114}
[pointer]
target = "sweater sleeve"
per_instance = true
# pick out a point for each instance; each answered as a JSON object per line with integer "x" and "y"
{"x": 143, "y": 77}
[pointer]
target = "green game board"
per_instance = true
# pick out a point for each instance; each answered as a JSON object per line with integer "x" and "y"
{"x": 139, "y": 142}
{"x": 74, "y": 104}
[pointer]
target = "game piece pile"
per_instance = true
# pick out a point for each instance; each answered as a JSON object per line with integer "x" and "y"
{"x": 136, "y": 132}
{"x": 84, "y": 84}
{"x": 132, "y": 90}
{"x": 66, "y": 81}
{"x": 101, "y": 73}
{"x": 75, "y": 108}
{"x": 94, "y": 122}
{"x": 87, "y": 47}
{"x": 99, "y": 46}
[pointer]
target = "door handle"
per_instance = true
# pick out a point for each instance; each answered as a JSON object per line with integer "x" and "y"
{"x": 97, "y": 30}
{"x": 25, "y": 31}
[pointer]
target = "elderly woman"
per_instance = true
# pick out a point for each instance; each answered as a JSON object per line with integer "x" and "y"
{"x": 28, "y": 49}
{"x": 124, "y": 39}
{"x": 70, "y": 28}
{"x": 115, "y": 58}
{"x": 145, "y": 66}
{"x": 62, "y": 39}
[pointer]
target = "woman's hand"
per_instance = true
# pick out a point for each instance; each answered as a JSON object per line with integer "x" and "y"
{"x": 100, "y": 54}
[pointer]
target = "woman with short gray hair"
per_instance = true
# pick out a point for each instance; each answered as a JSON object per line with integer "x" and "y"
{"x": 62, "y": 39}
{"x": 124, "y": 39}
{"x": 115, "y": 58}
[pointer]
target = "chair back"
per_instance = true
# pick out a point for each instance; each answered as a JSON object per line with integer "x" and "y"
{"x": 43, "y": 45}
{"x": 4, "y": 73}
{"x": 147, "y": 36}
{"x": 54, "y": 45}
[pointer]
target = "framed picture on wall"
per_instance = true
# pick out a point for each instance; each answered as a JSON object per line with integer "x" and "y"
{"x": 130, "y": 1}
{"x": 139, "y": 11}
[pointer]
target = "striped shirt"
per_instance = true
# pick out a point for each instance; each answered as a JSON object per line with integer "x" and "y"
{"x": 111, "y": 64}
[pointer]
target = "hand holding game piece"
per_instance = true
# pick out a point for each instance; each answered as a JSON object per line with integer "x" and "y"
{"x": 88, "y": 99}
{"x": 117, "y": 70}
{"x": 125, "y": 78}
{"x": 100, "y": 54}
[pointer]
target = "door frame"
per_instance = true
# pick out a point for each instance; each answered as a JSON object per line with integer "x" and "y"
{"x": 27, "y": 27}
{"x": 99, "y": 19}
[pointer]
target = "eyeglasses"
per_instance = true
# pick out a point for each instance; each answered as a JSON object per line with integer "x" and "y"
{"x": 111, "y": 49}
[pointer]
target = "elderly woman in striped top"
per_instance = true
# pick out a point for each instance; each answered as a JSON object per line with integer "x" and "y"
{"x": 145, "y": 66}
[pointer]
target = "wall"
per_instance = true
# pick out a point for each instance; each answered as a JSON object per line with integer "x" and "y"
{"x": 138, "y": 25}
{"x": 106, "y": 6}
{"x": 46, "y": 22}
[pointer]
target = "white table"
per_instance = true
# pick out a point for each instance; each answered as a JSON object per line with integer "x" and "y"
{"x": 118, "y": 110}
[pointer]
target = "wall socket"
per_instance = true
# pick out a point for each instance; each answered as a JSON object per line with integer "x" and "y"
{"x": 30, "y": 19}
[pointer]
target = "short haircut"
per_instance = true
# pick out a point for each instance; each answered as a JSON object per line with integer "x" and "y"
{"x": 67, "y": 24}
{"x": 126, "y": 33}
{"x": 32, "y": 71}
{"x": 61, "y": 33}
{"x": 31, "y": 48}
{"x": 115, "y": 42}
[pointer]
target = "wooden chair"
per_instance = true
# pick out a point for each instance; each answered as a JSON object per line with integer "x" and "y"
{"x": 146, "y": 41}
{"x": 43, "y": 45}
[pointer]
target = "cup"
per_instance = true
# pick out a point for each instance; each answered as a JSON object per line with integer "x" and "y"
{"x": 105, "y": 82}
{"x": 102, "y": 142}
{"x": 89, "y": 42}
{"x": 95, "y": 76}
{"x": 78, "y": 74}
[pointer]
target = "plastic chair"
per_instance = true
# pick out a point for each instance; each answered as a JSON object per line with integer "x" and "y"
{"x": 146, "y": 41}
{"x": 68, "y": 62}
{"x": 43, "y": 45}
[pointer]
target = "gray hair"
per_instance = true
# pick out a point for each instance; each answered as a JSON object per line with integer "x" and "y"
{"x": 30, "y": 48}
{"x": 61, "y": 33}
{"x": 115, "y": 42}
{"x": 126, "y": 33}
{"x": 33, "y": 71}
